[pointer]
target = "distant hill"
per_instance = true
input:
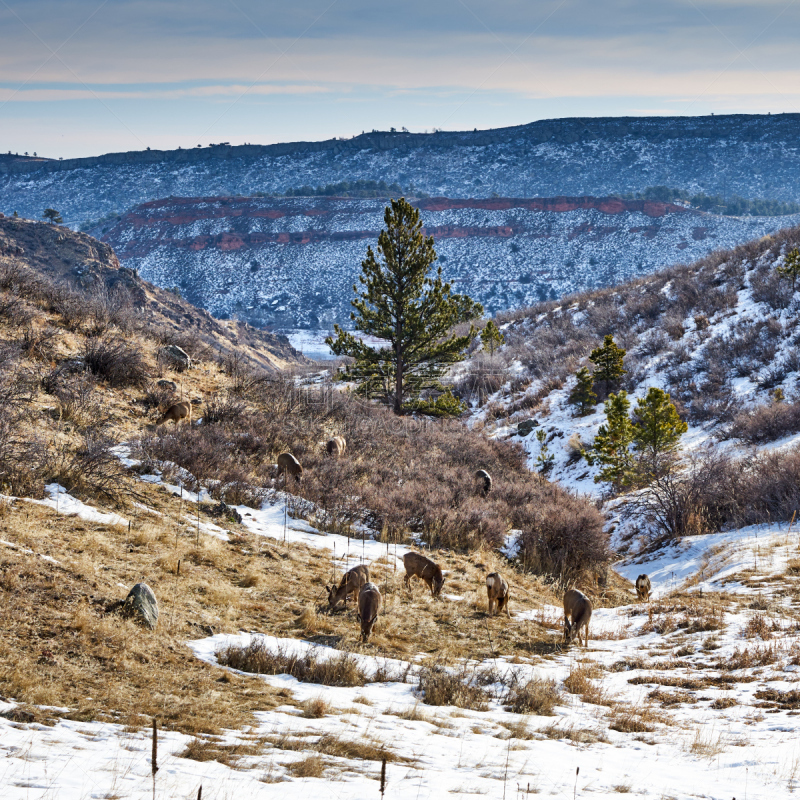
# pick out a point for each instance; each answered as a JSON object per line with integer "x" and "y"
{"x": 292, "y": 262}
{"x": 753, "y": 156}
{"x": 91, "y": 267}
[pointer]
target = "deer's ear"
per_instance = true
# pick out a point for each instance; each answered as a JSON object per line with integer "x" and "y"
{"x": 327, "y": 588}
{"x": 358, "y": 617}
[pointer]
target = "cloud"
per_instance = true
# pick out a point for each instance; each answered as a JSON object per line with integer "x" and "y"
{"x": 64, "y": 93}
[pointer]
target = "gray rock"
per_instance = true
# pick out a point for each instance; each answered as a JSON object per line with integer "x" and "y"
{"x": 165, "y": 384}
{"x": 526, "y": 426}
{"x": 141, "y": 604}
{"x": 177, "y": 356}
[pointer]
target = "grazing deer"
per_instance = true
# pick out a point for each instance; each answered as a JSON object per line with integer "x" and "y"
{"x": 423, "y": 568}
{"x": 497, "y": 590}
{"x": 643, "y": 587}
{"x": 369, "y": 604}
{"x": 176, "y": 413}
{"x": 577, "y": 614}
{"x": 483, "y": 481}
{"x": 351, "y": 582}
{"x": 289, "y": 465}
{"x": 336, "y": 446}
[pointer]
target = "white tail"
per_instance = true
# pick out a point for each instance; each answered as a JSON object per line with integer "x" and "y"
{"x": 498, "y": 593}
{"x": 336, "y": 446}
{"x": 577, "y": 614}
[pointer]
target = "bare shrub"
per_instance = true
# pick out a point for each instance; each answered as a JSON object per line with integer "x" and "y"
{"x": 116, "y": 361}
{"x": 442, "y": 687}
{"x": 561, "y": 534}
{"x": 78, "y": 401}
{"x": 91, "y": 469}
{"x": 767, "y": 286}
{"x": 222, "y": 408}
{"x": 766, "y": 423}
{"x": 257, "y": 657}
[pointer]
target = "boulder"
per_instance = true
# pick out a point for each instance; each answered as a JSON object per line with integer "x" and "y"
{"x": 526, "y": 426}
{"x": 165, "y": 384}
{"x": 177, "y": 356}
{"x": 141, "y": 604}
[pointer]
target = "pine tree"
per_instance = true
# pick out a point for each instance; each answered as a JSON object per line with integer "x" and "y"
{"x": 545, "y": 459}
{"x": 657, "y": 430}
{"x": 51, "y": 215}
{"x": 491, "y": 337}
{"x": 790, "y": 267}
{"x": 582, "y": 395}
{"x": 611, "y": 445}
{"x": 607, "y": 362}
{"x": 400, "y": 304}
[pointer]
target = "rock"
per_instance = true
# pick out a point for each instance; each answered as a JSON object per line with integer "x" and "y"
{"x": 526, "y": 426}
{"x": 165, "y": 384}
{"x": 141, "y": 604}
{"x": 226, "y": 512}
{"x": 177, "y": 356}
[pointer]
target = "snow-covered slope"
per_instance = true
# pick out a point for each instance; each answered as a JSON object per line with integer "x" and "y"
{"x": 292, "y": 262}
{"x": 749, "y": 155}
{"x": 719, "y": 335}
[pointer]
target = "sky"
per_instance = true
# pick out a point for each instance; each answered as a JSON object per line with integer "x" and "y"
{"x": 84, "y": 77}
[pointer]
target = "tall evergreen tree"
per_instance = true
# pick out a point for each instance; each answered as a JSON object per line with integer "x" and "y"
{"x": 582, "y": 395}
{"x": 400, "y": 304}
{"x": 790, "y": 267}
{"x": 607, "y": 362}
{"x": 612, "y": 443}
{"x": 657, "y": 430}
{"x": 491, "y": 337}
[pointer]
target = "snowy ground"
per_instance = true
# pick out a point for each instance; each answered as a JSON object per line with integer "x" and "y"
{"x": 715, "y": 727}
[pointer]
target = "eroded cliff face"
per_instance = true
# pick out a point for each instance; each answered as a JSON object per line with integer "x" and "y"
{"x": 292, "y": 262}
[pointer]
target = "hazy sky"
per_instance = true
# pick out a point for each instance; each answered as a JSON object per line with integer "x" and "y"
{"x": 81, "y": 77}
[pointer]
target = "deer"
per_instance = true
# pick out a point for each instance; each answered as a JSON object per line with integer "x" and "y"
{"x": 423, "y": 568}
{"x": 369, "y": 604}
{"x": 577, "y": 614}
{"x": 643, "y": 588}
{"x": 289, "y": 465}
{"x": 176, "y": 413}
{"x": 336, "y": 446}
{"x": 497, "y": 590}
{"x": 483, "y": 482}
{"x": 351, "y": 583}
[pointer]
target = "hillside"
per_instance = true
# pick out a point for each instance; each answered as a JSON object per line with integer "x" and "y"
{"x": 292, "y": 262}
{"x": 258, "y": 688}
{"x": 719, "y": 335}
{"x": 93, "y": 271}
{"x": 754, "y": 156}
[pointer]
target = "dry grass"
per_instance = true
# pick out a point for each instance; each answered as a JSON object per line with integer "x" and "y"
{"x": 537, "y": 696}
{"x": 640, "y": 718}
{"x": 256, "y": 657}
{"x": 441, "y": 686}
{"x": 135, "y": 674}
{"x": 574, "y": 734}
{"x": 579, "y": 682}
{"x": 311, "y": 767}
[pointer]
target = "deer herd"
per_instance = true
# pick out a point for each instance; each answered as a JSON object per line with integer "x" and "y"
{"x": 356, "y": 582}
